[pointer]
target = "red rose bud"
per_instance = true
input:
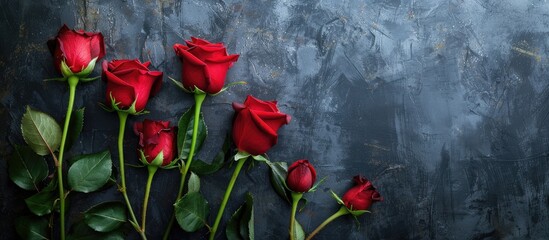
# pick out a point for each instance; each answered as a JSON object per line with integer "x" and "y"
{"x": 77, "y": 49}
{"x": 301, "y": 176}
{"x": 362, "y": 195}
{"x": 156, "y": 137}
{"x": 256, "y": 124}
{"x": 130, "y": 82}
{"x": 205, "y": 64}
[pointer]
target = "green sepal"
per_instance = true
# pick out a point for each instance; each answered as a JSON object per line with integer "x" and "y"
{"x": 355, "y": 213}
{"x": 261, "y": 158}
{"x": 172, "y": 165}
{"x": 89, "y": 79}
{"x": 86, "y": 71}
{"x": 65, "y": 69}
{"x": 131, "y": 110}
{"x": 315, "y": 186}
{"x": 158, "y": 160}
{"x": 241, "y": 155}
{"x": 337, "y": 198}
{"x": 180, "y": 85}
{"x": 230, "y": 85}
{"x": 55, "y": 79}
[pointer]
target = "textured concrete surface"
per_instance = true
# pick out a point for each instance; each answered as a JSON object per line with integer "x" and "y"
{"x": 444, "y": 104}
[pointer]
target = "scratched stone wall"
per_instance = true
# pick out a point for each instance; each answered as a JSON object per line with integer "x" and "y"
{"x": 444, "y": 104}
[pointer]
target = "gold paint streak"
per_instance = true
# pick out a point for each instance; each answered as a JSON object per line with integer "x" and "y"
{"x": 529, "y": 53}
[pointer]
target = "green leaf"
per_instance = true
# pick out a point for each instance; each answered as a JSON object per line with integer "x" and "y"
{"x": 194, "y": 183}
{"x": 299, "y": 234}
{"x": 75, "y": 127}
{"x": 185, "y": 133}
{"x": 229, "y": 86}
{"x": 202, "y": 168}
{"x": 89, "y": 172}
{"x": 278, "y": 173}
{"x": 191, "y": 211}
{"x": 106, "y": 216}
{"x": 31, "y": 227}
{"x": 43, "y": 202}
{"x": 40, "y": 132}
{"x": 232, "y": 230}
{"x": 26, "y": 168}
{"x": 247, "y": 220}
{"x": 81, "y": 231}
{"x": 241, "y": 224}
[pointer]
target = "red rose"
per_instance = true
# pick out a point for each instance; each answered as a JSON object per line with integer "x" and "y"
{"x": 76, "y": 48}
{"x": 256, "y": 124}
{"x": 205, "y": 64}
{"x": 362, "y": 195}
{"x": 301, "y": 176}
{"x": 130, "y": 81}
{"x": 156, "y": 137}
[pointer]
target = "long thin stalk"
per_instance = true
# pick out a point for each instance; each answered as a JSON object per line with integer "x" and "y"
{"x": 226, "y": 197}
{"x": 295, "y": 200}
{"x": 123, "y": 116}
{"x": 342, "y": 211}
{"x": 73, "y": 82}
{"x": 198, "y": 99}
{"x": 152, "y": 171}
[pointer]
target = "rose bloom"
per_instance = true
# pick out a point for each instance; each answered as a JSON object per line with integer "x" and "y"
{"x": 362, "y": 195}
{"x": 130, "y": 81}
{"x": 301, "y": 176}
{"x": 256, "y": 124}
{"x": 205, "y": 64}
{"x": 76, "y": 48}
{"x": 156, "y": 137}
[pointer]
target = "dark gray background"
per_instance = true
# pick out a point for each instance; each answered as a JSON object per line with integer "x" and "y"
{"x": 443, "y": 104}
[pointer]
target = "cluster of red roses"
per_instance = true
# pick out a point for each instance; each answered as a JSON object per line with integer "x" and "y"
{"x": 130, "y": 84}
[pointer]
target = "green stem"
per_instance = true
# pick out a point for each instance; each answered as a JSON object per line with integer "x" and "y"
{"x": 342, "y": 211}
{"x": 123, "y": 116}
{"x": 226, "y": 197}
{"x": 198, "y": 99}
{"x": 73, "y": 82}
{"x": 295, "y": 200}
{"x": 152, "y": 170}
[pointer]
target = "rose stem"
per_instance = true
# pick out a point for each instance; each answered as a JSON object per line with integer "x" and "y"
{"x": 295, "y": 200}
{"x": 226, "y": 197}
{"x": 198, "y": 99}
{"x": 73, "y": 82}
{"x": 152, "y": 170}
{"x": 342, "y": 211}
{"x": 123, "y": 116}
